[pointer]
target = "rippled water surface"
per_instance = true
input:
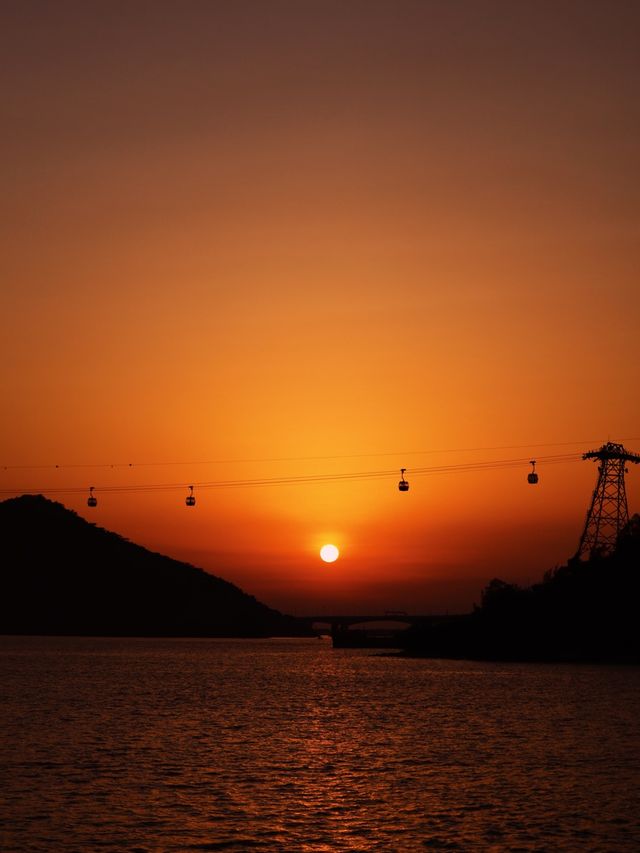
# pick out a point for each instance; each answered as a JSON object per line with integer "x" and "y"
{"x": 152, "y": 745}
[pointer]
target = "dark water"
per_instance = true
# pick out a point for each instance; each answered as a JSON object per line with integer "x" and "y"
{"x": 156, "y": 745}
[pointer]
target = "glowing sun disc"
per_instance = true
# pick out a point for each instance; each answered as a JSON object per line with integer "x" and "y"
{"x": 329, "y": 553}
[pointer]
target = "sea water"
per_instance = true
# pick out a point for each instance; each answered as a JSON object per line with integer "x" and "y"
{"x": 290, "y": 745}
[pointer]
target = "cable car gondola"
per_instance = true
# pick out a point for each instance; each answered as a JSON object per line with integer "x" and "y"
{"x": 190, "y": 500}
{"x": 91, "y": 500}
{"x": 403, "y": 486}
{"x": 532, "y": 477}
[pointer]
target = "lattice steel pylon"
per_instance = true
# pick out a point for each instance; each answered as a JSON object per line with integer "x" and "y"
{"x": 608, "y": 512}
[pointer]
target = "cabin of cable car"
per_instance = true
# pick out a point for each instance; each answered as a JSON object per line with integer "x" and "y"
{"x": 92, "y": 500}
{"x": 403, "y": 485}
{"x": 190, "y": 499}
{"x": 532, "y": 477}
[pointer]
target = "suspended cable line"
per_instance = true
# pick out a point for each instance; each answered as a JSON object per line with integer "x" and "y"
{"x": 310, "y": 479}
{"x": 256, "y": 460}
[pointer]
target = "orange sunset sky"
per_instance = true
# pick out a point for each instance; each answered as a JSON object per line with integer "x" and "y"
{"x": 254, "y": 240}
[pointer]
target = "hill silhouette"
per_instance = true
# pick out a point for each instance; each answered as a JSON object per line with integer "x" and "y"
{"x": 582, "y": 611}
{"x": 64, "y": 575}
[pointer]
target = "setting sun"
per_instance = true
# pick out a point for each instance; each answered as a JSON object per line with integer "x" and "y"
{"x": 329, "y": 553}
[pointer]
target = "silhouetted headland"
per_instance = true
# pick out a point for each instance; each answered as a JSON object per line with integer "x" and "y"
{"x": 583, "y": 611}
{"x": 64, "y": 575}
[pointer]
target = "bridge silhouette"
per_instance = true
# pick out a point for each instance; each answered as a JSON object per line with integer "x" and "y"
{"x": 379, "y": 630}
{"x": 349, "y": 620}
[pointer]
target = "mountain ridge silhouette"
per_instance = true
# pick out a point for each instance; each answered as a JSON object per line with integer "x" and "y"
{"x": 64, "y": 575}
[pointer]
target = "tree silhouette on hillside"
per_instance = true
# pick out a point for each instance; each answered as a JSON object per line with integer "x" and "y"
{"x": 580, "y": 611}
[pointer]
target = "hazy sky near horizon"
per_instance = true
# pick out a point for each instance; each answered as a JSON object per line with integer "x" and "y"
{"x": 349, "y": 236}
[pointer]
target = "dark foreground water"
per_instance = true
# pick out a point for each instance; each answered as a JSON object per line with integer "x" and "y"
{"x": 287, "y": 745}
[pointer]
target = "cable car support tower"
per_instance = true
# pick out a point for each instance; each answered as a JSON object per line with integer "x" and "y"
{"x": 608, "y": 513}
